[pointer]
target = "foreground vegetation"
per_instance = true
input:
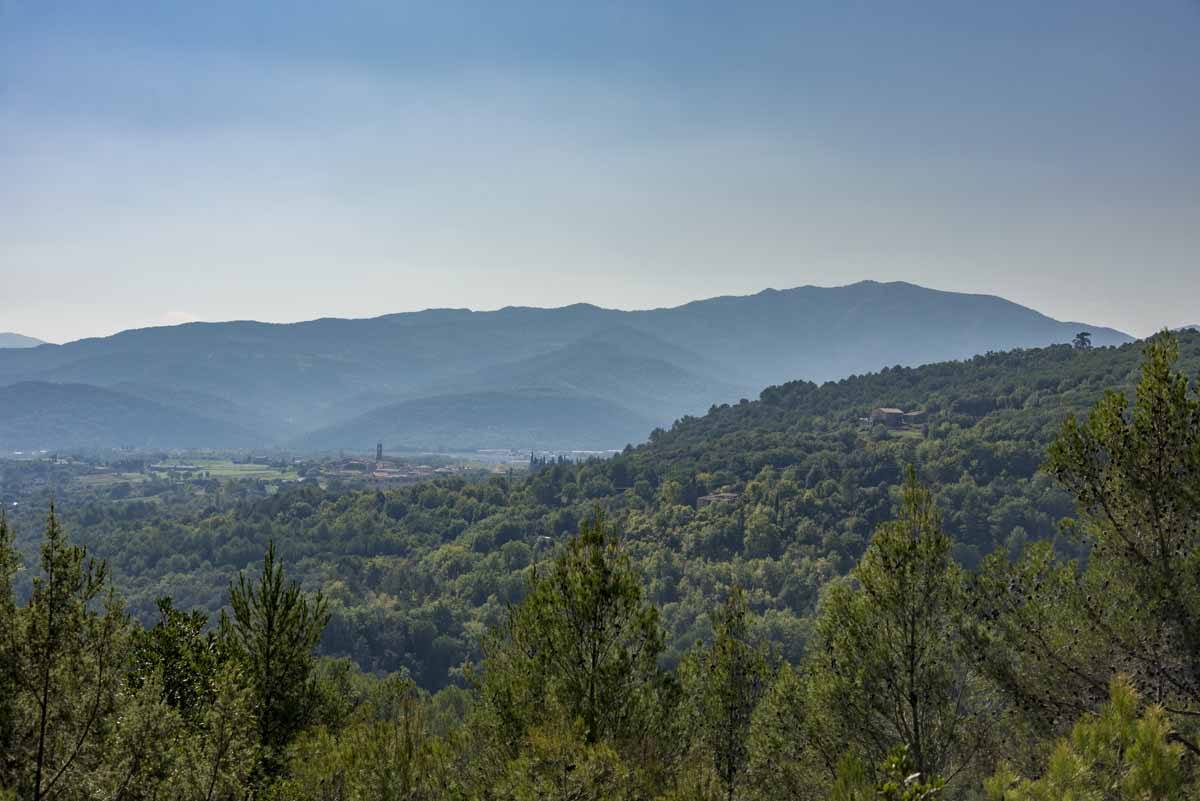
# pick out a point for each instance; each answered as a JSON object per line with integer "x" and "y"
{"x": 923, "y": 674}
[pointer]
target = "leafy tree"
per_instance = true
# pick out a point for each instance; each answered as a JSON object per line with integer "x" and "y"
{"x": 889, "y": 668}
{"x": 184, "y": 652}
{"x": 1082, "y": 341}
{"x": 810, "y": 484}
{"x": 272, "y": 633}
{"x": 723, "y": 685}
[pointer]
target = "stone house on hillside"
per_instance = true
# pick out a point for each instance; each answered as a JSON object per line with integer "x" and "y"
{"x": 894, "y": 418}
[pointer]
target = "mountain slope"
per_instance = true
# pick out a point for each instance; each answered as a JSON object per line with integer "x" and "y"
{"x": 209, "y": 406}
{"x": 818, "y": 333}
{"x": 626, "y": 369}
{"x": 11, "y": 340}
{"x": 658, "y": 364}
{"x": 37, "y": 415}
{"x": 533, "y": 419}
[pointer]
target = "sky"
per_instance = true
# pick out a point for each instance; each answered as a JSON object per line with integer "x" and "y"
{"x": 162, "y": 162}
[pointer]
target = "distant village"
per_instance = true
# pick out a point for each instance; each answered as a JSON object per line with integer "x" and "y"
{"x": 134, "y": 474}
{"x": 382, "y": 470}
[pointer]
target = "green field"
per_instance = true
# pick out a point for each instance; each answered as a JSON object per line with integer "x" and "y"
{"x": 223, "y": 468}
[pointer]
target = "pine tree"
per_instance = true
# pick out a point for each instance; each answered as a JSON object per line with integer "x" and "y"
{"x": 9, "y": 562}
{"x": 723, "y": 685}
{"x": 1053, "y": 635}
{"x": 584, "y": 637}
{"x": 1135, "y": 473}
{"x": 67, "y": 646}
{"x": 1112, "y": 754}
{"x": 888, "y": 668}
{"x": 272, "y": 633}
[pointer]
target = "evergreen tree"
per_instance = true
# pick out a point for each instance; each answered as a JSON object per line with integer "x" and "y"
{"x": 583, "y": 637}
{"x": 556, "y": 763}
{"x": 272, "y": 633}
{"x": 9, "y": 563}
{"x": 899, "y": 781}
{"x": 1135, "y": 473}
{"x": 1053, "y": 635}
{"x": 67, "y": 648}
{"x": 384, "y": 753}
{"x": 723, "y": 685}
{"x": 1113, "y": 754}
{"x": 786, "y": 758}
{"x": 888, "y": 668}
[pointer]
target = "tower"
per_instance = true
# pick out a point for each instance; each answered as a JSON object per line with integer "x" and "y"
{"x": 379, "y": 452}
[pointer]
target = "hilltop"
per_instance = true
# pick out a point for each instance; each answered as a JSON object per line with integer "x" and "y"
{"x": 11, "y": 340}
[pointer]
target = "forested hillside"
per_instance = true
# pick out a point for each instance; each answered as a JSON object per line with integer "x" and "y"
{"x": 415, "y": 575}
{"x": 34, "y": 414}
{"x": 550, "y": 418}
{"x": 1023, "y": 677}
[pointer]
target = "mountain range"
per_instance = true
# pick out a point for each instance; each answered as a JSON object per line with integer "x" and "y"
{"x": 10, "y": 340}
{"x": 573, "y": 377}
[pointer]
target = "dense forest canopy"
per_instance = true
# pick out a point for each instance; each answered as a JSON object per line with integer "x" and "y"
{"x": 1025, "y": 676}
{"x": 778, "y": 495}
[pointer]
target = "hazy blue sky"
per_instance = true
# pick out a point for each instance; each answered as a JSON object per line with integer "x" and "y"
{"x": 167, "y": 161}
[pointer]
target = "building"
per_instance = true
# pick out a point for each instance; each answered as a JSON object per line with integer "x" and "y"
{"x": 888, "y": 416}
{"x": 716, "y": 497}
{"x": 895, "y": 418}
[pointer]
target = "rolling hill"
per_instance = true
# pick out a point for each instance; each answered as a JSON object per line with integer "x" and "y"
{"x": 531, "y": 419}
{"x": 11, "y": 340}
{"x": 621, "y": 365}
{"x": 38, "y": 415}
{"x": 284, "y": 381}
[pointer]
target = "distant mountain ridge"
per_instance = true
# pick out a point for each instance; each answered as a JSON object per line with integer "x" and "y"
{"x": 333, "y": 383}
{"x": 10, "y": 340}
